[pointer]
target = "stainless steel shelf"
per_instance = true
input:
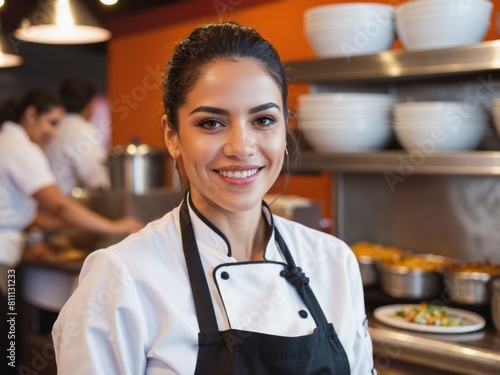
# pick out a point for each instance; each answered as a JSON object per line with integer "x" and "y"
{"x": 403, "y": 163}
{"x": 399, "y": 64}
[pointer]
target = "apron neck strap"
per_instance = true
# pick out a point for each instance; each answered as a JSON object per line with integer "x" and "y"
{"x": 295, "y": 276}
{"x": 199, "y": 286}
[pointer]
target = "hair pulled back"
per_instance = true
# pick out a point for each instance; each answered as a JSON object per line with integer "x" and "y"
{"x": 75, "y": 94}
{"x": 13, "y": 109}
{"x": 213, "y": 42}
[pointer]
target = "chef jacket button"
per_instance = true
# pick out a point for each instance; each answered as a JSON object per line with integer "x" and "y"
{"x": 224, "y": 275}
{"x": 303, "y": 314}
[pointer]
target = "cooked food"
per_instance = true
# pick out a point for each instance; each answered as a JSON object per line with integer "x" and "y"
{"x": 415, "y": 262}
{"x": 374, "y": 251}
{"x": 481, "y": 267}
{"x": 431, "y": 315}
{"x": 55, "y": 253}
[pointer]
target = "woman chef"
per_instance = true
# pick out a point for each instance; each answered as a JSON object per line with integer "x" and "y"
{"x": 220, "y": 284}
{"x": 27, "y": 182}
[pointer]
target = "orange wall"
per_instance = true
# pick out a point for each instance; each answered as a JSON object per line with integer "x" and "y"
{"x": 137, "y": 62}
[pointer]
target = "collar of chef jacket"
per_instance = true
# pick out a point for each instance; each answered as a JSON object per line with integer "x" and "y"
{"x": 208, "y": 233}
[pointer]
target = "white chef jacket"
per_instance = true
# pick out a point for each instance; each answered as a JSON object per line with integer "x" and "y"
{"x": 133, "y": 311}
{"x": 24, "y": 170}
{"x": 76, "y": 155}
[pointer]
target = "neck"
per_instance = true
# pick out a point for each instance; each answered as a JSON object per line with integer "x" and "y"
{"x": 248, "y": 232}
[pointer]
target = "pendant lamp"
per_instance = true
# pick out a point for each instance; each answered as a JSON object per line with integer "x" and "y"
{"x": 8, "y": 56}
{"x": 61, "y": 22}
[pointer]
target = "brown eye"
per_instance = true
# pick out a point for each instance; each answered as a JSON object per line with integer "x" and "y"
{"x": 265, "y": 121}
{"x": 210, "y": 124}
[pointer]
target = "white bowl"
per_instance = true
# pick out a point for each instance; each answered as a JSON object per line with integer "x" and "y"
{"x": 343, "y": 97}
{"x": 439, "y": 139}
{"x": 438, "y": 109}
{"x": 458, "y": 122}
{"x": 351, "y": 10}
{"x": 352, "y": 40}
{"x": 347, "y": 138}
{"x": 355, "y": 123}
{"x": 442, "y": 5}
{"x": 434, "y": 32}
{"x": 349, "y": 111}
{"x": 473, "y": 8}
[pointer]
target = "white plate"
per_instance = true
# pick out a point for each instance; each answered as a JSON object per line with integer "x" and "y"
{"x": 387, "y": 315}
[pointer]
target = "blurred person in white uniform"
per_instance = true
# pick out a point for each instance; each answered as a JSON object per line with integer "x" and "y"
{"x": 220, "y": 284}
{"x": 27, "y": 183}
{"x": 76, "y": 155}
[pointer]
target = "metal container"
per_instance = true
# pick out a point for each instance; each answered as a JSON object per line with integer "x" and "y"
{"x": 137, "y": 167}
{"x": 403, "y": 282}
{"x": 495, "y": 303}
{"x": 468, "y": 287}
{"x": 368, "y": 271}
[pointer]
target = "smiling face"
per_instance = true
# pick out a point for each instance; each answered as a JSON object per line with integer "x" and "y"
{"x": 41, "y": 128}
{"x": 232, "y": 136}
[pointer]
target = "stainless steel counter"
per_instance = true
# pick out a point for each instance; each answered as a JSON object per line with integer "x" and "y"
{"x": 466, "y": 353}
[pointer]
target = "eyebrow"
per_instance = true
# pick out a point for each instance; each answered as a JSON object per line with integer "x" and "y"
{"x": 223, "y": 112}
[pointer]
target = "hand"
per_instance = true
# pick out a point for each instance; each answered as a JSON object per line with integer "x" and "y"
{"x": 128, "y": 225}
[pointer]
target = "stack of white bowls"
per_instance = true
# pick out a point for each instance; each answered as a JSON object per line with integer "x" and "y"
{"x": 431, "y": 24}
{"x": 439, "y": 126}
{"x": 346, "y": 122}
{"x": 345, "y": 30}
{"x": 495, "y": 112}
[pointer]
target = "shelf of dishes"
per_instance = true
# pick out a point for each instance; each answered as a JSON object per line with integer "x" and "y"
{"x": 362, "y": 122}
{"x": 351, "y": 40}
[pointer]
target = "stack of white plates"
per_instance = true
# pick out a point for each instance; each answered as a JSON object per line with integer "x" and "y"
{"x": 347, "y": 122}
{"x": 431, "y": 24}
{"x": 495, "y": 111}
{"x": 344, "y": 30}
{"x": 439, "y": 126}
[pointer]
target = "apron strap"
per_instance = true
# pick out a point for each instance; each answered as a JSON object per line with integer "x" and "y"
{"x": 295, "y": 276}
{"x": 201, "y": 293}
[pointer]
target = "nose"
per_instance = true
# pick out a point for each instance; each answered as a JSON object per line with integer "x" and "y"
{"x": 240, "y": 143}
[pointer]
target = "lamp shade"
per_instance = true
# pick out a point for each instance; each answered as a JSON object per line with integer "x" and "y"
{"x": 61, "y": 22}
{"x": 8, "y": 56}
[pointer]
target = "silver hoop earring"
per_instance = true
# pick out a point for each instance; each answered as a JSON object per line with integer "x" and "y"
{"x": 287, "y": 157}
{"x": 175, "y": 162}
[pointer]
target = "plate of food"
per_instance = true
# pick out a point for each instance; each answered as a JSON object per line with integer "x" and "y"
{"x": 429, "y": 318}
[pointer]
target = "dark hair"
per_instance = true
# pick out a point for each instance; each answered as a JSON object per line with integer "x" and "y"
{"x": 219, "y": 41}
{"x": 212, "y": 42}
{"x": 75, "y": 94}
{"x": 13, "y": 109}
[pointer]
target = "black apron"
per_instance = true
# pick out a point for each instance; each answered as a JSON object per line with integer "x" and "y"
{"x": 252, "y": 353}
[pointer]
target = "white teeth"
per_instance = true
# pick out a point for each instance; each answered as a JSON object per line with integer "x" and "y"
{"x": 238, "y": 174}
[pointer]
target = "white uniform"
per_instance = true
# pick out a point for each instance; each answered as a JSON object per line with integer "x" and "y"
{"x": 24, "y": 170}
{"x": 133, "y": 312}
{"x": 76, "y": 155}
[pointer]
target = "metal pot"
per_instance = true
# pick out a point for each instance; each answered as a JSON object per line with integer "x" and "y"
{"x": 403, "y": 282}
{"x": 368, "y": 271}
{"x": 137, "y": 167}
{"x": 411, "y": 281}
{"x": 468, "y": 287}
{"x": 495, "y": 303}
